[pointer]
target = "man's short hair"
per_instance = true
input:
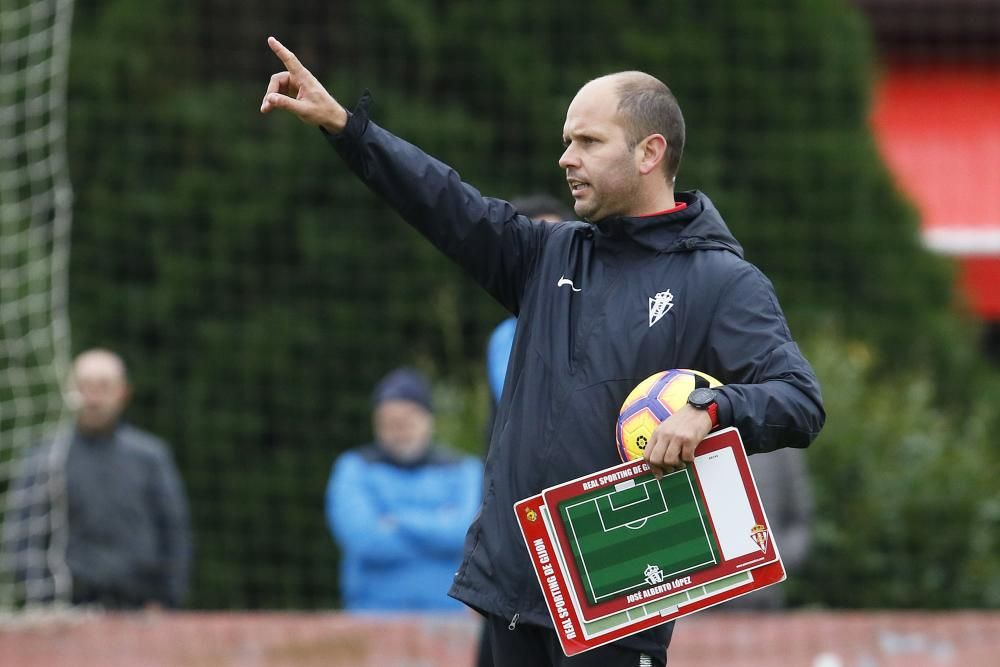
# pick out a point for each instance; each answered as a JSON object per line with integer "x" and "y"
{"x": 648, "y": 107}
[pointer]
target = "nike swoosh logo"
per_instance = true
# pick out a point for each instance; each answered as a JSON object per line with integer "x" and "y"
{"x": 566, "y": 281}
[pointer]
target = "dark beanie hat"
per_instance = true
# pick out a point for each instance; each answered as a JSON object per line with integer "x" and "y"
{"x": 403, "y": 384}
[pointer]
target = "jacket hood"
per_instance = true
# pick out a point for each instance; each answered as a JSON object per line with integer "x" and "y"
{"x": 698, "y": 226}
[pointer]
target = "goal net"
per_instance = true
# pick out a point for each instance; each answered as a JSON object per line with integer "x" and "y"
{"x": 35, "y": 215}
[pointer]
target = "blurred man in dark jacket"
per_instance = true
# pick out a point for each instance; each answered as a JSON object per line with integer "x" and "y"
{"x": 127, "y": 527}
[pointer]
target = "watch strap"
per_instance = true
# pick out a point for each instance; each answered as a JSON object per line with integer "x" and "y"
{"x": 713, "y": 412}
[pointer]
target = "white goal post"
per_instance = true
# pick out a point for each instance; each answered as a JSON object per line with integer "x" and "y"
{"x": 35, "y": 217}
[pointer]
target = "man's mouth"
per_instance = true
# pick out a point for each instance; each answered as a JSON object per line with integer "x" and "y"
{"x": 576, "y": 186}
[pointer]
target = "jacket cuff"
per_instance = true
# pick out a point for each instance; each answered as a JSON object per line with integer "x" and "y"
{"x": 724, "y": 414}
{"x": 357, "y": 121}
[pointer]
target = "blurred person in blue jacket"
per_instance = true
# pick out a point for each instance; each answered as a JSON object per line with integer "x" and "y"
{"x": 399, "y": 507}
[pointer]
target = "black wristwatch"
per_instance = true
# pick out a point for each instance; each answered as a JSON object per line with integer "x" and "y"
{"x": 704, "y": 398}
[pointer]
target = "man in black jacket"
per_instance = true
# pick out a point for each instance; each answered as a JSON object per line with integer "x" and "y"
{"x": 653, "y": 280}
{"x": 128, "y": 535}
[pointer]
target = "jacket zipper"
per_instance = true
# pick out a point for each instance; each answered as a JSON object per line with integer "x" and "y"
{"x": 513, "y": 621}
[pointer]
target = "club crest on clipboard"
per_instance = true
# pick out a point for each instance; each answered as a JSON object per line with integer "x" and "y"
{"x": 759, "y": 535}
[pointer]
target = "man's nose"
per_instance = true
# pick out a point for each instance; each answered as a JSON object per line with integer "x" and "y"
{"x": 568, "y": 158}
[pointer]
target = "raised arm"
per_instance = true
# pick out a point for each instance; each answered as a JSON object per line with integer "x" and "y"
{"x": 486, "y": 236}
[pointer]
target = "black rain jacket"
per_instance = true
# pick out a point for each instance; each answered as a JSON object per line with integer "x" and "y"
{"x": 583, "y": 295}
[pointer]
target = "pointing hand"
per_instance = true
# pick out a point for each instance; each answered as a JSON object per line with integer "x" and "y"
{"x": 298, "y": 91}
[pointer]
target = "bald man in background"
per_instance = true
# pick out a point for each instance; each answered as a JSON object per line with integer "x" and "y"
{"x": 128, "y": 531}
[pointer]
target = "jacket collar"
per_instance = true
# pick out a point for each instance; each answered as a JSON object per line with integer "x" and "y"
{"x": 436, "y": 454}
{"x": 96, "y": 438}
{"x": 698, "y": 226}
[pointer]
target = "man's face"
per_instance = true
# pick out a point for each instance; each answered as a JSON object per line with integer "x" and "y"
{"x": 404, "y": 428}
{"x": 102, "y": 392}
{"x": 601, "y": 171}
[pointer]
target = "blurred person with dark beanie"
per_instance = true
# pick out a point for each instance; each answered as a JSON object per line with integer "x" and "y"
{"x": 400, "y": 506}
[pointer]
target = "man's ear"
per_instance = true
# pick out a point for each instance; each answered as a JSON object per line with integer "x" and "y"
{"x": 652, "y": 153}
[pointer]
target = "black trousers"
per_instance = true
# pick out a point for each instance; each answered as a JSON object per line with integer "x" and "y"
{"x": 535, "y": 646}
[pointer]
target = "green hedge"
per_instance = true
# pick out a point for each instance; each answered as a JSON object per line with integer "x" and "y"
{"x": 908, "y": 508}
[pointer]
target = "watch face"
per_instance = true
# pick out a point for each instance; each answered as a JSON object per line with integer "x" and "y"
{"x": 702, "y": 397}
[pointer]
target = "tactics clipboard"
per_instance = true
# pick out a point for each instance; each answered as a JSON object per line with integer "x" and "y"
{"x": 618, "y": 551}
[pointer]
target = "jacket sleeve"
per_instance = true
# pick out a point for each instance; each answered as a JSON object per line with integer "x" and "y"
{"x": 356, "y": 521}
{"x": 771, "y": 393}
{"x": 443, "y": 532}
{"x": 175, "y": 529}
{"x": 493, "y": 243}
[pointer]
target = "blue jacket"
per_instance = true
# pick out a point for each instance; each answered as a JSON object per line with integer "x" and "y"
{"x": 401, "y": 527}
{"x": 580, "y": 348}
{"x": 498, "y": 355}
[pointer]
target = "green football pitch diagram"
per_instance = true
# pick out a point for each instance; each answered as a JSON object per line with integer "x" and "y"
{"x": 605, "y": 527}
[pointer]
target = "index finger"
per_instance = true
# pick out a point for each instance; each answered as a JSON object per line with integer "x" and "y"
{"x": 287, "y": 58}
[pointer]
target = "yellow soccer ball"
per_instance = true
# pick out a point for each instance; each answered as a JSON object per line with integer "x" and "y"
{"x": 653, "y": 400}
